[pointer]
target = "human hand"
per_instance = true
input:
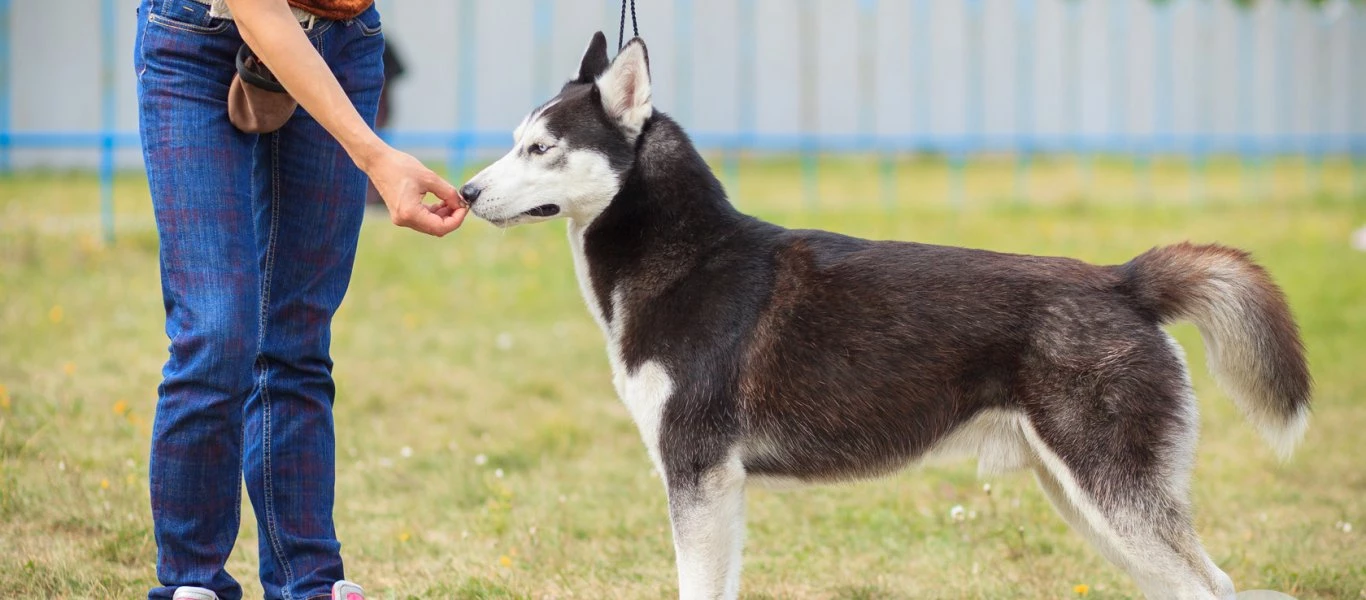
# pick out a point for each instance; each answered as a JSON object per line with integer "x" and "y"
{"x": 404, "y": 182}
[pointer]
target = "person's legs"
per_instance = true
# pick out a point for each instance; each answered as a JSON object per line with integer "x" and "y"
{"x": 199, "y": 171}
{"x": 309, "y": 206}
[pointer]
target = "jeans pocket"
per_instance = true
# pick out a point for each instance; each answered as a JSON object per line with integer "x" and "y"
{"x": 186, "y": 15}
{"x": 368, "y": 22}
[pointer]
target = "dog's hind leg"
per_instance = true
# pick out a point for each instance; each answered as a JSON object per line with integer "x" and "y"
{"x": 1140, "y": 521}
{"x": 707, "y": 509}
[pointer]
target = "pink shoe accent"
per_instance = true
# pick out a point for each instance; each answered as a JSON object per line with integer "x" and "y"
{"x": 345, "y": 590}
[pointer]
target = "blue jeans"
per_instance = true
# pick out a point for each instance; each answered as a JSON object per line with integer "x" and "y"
{"x": 258, "y": 237}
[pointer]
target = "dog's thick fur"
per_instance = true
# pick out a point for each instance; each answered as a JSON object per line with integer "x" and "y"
{"x": 747, "y": 352}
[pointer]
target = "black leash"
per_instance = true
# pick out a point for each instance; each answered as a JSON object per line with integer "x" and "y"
{"x": 621, "y": 30}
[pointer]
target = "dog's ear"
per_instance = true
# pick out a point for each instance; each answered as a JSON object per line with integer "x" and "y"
{"x": 625, "y": 88}
{"x": 594, "y": 60}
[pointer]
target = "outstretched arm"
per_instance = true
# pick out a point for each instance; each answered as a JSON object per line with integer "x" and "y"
{"x": 269, "y": 27}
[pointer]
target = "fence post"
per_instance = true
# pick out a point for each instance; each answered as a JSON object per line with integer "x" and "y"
{"x": 1284, "y": 108}
{"x": 1204, "y": 40}
{"x": 1024, "y": 101}
{"x": 745, "y": 100}
{"x": 108, "y": 114}
{"x": 1319, "y": 141}
{"x": 810, "y": 167}
{"x": 973, "y": 130}
{"x": 1119, "y": 81}
{"x": 1247, "y": 120}
{"x": 1074, "y": 105}
{"x": 683, "y": 67}
{"x": 867, "y": 108}
{"x": 457, "y": 151}
{"x": 1357, "y": 132}
{"x": 4, "y": 87}
{"x": 1162, "y": 123}
{"x": 542, "y": 18}
{"x": 923, "y": 64}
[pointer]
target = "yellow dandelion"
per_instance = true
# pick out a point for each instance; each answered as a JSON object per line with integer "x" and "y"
{"x": 69, "y": 368}
{"x": 104, "y": 484}
{"x": 55, "y": 314}
{"x": 4, "y": 397}
{"x": 403, "y": 537}
{"x": 121, "y": 407}
{"x": 130, "y": 478}
{"x": 1081, "y": 589}
{"x": 505, "y": 560}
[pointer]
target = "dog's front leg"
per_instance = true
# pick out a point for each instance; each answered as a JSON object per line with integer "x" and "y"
{"x": 707, "y": 508}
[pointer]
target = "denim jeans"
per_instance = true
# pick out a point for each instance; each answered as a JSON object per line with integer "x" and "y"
{"x": 258, "y": 237}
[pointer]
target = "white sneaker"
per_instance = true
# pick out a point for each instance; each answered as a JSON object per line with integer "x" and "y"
{"x": 196, "y": 593}
{"x": 345, "y": 590}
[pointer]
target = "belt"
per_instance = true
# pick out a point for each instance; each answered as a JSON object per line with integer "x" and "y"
{"x": 219, "y": 9}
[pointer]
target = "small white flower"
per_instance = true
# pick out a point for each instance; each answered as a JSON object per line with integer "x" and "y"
{"x": 498, "y": 473}
{"x": 956, "y": 513}
{"x": 562, "y": 498}
{"x": 61, "y": 465}
{"x": 972, "y": 515}
{"x": 532, "y": 531}
{"x": 1347, "y": 528}
{"x": 1359, "y": 239}
{"x": 386, "y": 462}
{"x": 986, "y": 487}
{"x": 405, "y": 452}
{"x": 504, "y": 341}
{"x": 481, "y": 460}
{"x": 130, "y": 464}
{"x": 464, "y": 534}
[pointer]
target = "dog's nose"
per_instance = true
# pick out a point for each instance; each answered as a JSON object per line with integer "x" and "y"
{"x": 470, "y": 193}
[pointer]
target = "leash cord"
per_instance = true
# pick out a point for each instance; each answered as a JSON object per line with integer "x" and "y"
{"x": 621, "y": 28}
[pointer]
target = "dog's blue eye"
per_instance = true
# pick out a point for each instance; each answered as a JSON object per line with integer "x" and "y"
{"x": 539, "y": 148}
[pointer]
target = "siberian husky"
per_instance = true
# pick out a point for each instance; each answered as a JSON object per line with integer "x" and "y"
{"x": 750, "y": 353}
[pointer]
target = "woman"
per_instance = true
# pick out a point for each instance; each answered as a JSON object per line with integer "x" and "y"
{"x": 258, "y": 235}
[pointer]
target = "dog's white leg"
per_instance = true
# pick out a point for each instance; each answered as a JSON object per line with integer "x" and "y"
{"x": 707, "y": 509}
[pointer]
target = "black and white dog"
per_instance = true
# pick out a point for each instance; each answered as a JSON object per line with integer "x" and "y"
{"x": 750, "y": 353}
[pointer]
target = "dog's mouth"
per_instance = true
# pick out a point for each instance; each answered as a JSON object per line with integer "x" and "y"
{"x": 544, "y": 210}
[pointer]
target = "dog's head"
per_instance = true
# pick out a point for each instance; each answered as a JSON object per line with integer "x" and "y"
{"x": 569, "y": 155}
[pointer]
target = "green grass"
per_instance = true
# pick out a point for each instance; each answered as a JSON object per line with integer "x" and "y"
{"x": 577, "y": 511}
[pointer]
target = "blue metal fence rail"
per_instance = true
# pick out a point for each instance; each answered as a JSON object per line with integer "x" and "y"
{"x": 1253, "y": 148}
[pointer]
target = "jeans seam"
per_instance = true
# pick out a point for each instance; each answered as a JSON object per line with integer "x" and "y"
{"x": 142, "y": 50}
{"x": 269, "y": 491}
{"x": 241, "y": 468}
{"x": 319, "y": 29}
{"x": 367, "y": 32}
{"x": 186, "y": 27}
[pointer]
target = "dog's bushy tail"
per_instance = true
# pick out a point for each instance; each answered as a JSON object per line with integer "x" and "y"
{"x": 1253, "y": 344}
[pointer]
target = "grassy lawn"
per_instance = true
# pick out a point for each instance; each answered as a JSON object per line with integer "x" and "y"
{"x": 483, "y": 454}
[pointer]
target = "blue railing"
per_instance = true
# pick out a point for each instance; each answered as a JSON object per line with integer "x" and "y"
{"x": 973, "y": 138}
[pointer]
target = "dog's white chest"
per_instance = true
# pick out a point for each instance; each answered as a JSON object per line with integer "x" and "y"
{"x": 644, "y": 390}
